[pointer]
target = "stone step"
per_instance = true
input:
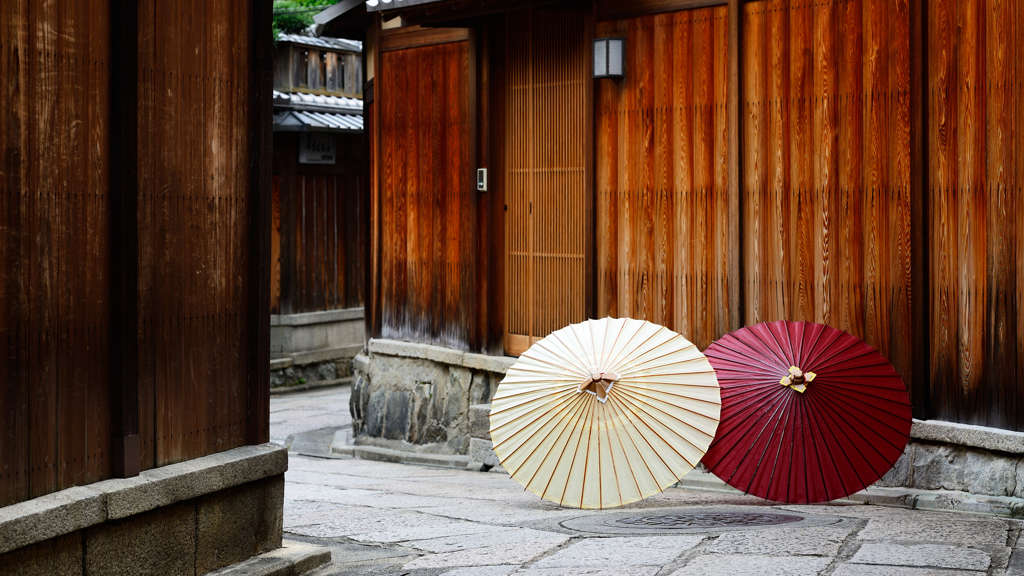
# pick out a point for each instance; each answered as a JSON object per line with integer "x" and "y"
{"x": 291, "y": 559}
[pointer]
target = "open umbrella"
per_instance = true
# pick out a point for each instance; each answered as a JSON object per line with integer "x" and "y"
{"x": 605, "y": 412}
{"x": 809, "y": 412}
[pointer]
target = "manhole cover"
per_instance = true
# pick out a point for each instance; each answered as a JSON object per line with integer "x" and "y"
{"x": 696, "y": 520}
{"x": 711, "y": 520}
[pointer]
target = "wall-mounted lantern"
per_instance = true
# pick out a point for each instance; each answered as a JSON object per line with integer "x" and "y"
{"x": 610, "y": 57}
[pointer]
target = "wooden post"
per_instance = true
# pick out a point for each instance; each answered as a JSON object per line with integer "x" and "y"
{"x": 124, "y": 239}
{"x": 919, "y": 288}
{"x": 735, "y": 267}
{"x": 261, "y": 81}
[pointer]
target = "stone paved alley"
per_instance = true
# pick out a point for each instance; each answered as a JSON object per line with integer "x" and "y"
{"x": 404, "y": 519}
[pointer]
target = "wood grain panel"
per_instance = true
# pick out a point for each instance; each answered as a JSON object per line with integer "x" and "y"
{"x": 975, "y": 215}
{"x": 428, "y": 260}
{"x": 194, "y": 229}
{"x": 547, "y": 90}
{"x": 662, "y": 184}
{"x": 826, "y": 168}
{"x": 54, "y": 247}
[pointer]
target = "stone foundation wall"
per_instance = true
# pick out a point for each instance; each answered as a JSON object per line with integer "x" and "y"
{"x": 183, "y": 519}
{"x": 315, "y": 347}
{"x": 960, "y": 457}
{"x": 416, "y": 397}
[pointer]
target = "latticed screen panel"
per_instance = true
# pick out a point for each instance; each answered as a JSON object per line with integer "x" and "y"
{"x": 547, "y": 78}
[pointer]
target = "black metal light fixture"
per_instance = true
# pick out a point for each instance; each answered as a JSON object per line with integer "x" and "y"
{"x": 610, "y": 57}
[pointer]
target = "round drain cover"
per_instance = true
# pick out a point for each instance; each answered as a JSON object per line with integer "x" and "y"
{"x": 708, "y": 520}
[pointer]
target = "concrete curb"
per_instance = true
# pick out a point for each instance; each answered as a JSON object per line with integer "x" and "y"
{"x": 291, "y": 559}
{"x": 312, "y": 385}
{"x": 400, "y": 457}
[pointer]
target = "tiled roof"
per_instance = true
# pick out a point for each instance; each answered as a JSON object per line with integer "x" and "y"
{"x": 329, "y": 43}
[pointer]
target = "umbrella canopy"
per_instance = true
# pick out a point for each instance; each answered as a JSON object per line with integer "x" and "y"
{"x": 605, "y": 412}
{"x": 809, "y": 412}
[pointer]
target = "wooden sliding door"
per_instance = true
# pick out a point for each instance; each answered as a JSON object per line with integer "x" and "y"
{"x": 547, "y": 173}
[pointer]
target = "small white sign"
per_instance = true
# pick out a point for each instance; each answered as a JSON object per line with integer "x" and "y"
{"x": 316, "y": 148}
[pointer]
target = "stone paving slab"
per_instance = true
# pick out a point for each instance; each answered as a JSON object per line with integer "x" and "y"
{"x": 481, "y": 571}
{"x": 629, "y": 551}
{"x": 867, "y": 570}
{"x": 817, "y": 541}
{"x": 753, "y": 565}
{"x": 923, "y": 555}
{"x": 497, "y": 535}
{"x": 585, "y": 571}
{"x": 514, "y": 554}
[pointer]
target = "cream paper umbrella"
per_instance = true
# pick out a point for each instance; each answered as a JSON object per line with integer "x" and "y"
{"x": 605, "y": 412}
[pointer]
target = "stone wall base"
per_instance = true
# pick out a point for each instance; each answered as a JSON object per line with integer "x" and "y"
{"x": 416, "y": 397}
{"x": 184, "y": 519}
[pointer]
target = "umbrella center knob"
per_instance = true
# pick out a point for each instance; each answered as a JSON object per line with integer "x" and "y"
{"x": 599, "y": 383}
{"x": 797, "y": 379}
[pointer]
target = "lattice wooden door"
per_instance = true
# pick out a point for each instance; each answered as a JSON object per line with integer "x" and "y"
{"x": 546, "y": 176}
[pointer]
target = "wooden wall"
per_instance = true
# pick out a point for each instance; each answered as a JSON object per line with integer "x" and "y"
{"x": 547, "y": 167}
{"x": 662, "y": 189}
{"x": 193, "y": 228}
{"x": 54, "y": 246}
{"x": 321, "y": 225}
{"x": 975, "y": 168}
{"x": 826, "y": 168}
{"x": 60, "y": 399}
{"x": 427, "y": 195}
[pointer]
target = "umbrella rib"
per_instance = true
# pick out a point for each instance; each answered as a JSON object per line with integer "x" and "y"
{"x": 831, "y": 432}
{"x": 559, "y": 404}
{"x": 611, "y": 456}
{"x": 634, "y": 367}
{"x": 616, "y": 341}
{"x": 777, "y": 343}
{"x": 852, "y": 402}
{"x": 658, "y": 420}
{"x": 814, "y": 345}
{"x": 819, "y": 432}
{"x": 586, "y": 461}
{"x": 574, "y": 454}
{"x": 752, "y": 412}
{"x": 778, "y": 451}
{"x": 614, "y": 362}
{"x": 563, "y": 392}
{"x": 826, "y": 362}
{"x": 667, "y": 393}
{"x": 568, "y": 364}
{"x": 785, "y": 402}
{"x": 614, "y": 406}
{"x": 760, "y": 432}
{"x": 577, "y": 405}
{"x": 753, "y": 354}
{"x": 835, "y": 411}
{"x": 625, "y": 408}
{"x": 583, "y": 405}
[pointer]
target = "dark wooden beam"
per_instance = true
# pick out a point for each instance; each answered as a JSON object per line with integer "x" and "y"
{"x": 261, "y": 81}
{"x": 734, "y": 143}
{"x": 919, "y": 286}
{"x": 124, "y": 239}
{"x": 420, "y": 37}
{"x": 618, "y": 9}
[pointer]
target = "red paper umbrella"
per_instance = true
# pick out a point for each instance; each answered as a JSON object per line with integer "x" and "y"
{"x": 809, "y": 413}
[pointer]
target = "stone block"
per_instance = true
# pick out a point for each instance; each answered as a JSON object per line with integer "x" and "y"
{"x": 899, "y": 474}
{"x": 968, "y": 435}
{"x": 239, "y": 523}
{"x": 480, "y": 421}
{"x": 991, "y": 474}
{"x": 161, "y": 542}
{"x": 747, "y": 565}
{"x": 938, "y": 467}
{"x": 480, "y": 388}
{"x": 192, "y": 479}
{"x": 361, "y": 363}
{"x": 374, "y": 420}
{"x": 483, "y": 451}
{"x": 61, "y": 556}
{"x": 396, "y": 415}
{"x": 49, "y": 516}
{"x": 624, "y": 552}
{"x": 495, "y": 364}
{"x": 922, "y": 555}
